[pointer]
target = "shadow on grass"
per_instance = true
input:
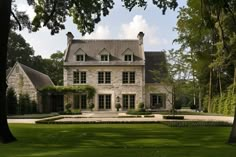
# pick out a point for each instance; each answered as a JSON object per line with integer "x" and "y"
{"x": 117, "y": 140}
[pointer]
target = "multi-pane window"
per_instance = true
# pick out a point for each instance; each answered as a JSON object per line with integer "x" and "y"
{"x": 79, "y": 77}
{"x": 104, "y": 102}
{"x": 157, "y": 100}
{"x": 80, "y": 58}
{"x": 80, "y": 101}
{"x": 104, "y": 77}
{"x": 128, "y": 101}
{"x": 128, "y": 57}
{"x": 104, "y": 57}
{"x": 128, "y": 77}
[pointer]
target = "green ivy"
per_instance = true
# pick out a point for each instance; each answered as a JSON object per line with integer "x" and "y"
{"x": 67, "y": 89}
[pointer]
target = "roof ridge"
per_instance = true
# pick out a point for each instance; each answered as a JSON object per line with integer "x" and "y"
{"x": 33, "y": 69}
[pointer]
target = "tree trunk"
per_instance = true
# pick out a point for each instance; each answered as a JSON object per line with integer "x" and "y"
{"x": 210, "y": 91}
{"x": 232, "y": 137}
{"x": 5, "y": 12}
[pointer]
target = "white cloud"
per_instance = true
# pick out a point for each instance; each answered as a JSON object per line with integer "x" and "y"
{"x": 138, "y": 23}
{"x": 101, "y": 32}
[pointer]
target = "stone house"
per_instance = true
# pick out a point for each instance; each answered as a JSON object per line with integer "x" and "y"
{"x": 25, "y": 80}
{"x": 119, "y": 70}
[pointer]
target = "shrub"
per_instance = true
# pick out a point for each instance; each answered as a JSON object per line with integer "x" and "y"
{"x": 68, "y": 107}
{"x": 24, "y": 105}
{"x": 178, "y": 106}
{"x": 173, "y": 117}
{"x": 194, "y": 107}
{"x": 141, "y": 105}
{"x": 118, "y": 106}
{"x": 138, "y": 112}
{"x": 11, "y": 101}
{"x": 34, "y": 106}
{"x": 91, "y": 106}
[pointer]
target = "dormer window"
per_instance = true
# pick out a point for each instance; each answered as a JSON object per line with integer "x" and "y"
{"x": 79, "y": 55}
{"x": 105, "y": 57}
{"x": 80, "y": 58}
{"x": 128, "y": 58}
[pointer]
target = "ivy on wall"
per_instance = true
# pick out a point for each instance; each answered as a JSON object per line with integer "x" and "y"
{"x": 70, "y": 89}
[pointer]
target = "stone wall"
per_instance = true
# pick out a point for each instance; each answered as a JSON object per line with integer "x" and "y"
{"x": 157, "y": 88}
{"x": 20, "y": 82}
{"x": 116, "y": 88}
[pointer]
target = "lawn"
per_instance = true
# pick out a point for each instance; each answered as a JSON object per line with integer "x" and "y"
{"x": 117, "y": 140}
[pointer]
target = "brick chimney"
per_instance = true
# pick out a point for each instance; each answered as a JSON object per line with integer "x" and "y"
{"x": 140, "y": 38}
{"x": 70, "y": 37}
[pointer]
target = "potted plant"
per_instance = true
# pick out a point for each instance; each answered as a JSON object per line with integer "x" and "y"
{"x": 91, "y": 106}
{"x": 118, "y": 106}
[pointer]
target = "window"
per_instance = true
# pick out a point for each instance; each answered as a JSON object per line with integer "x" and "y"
{"x": 128, "y": 57}
{"x": 128, "y": 101}
{"x": 80, "y": 102}
{"x": 104, "y": 77}
{"x": 157, "y": 100}
{"x": 80, "y": 58}
{"x": 104, "y": 57}
{"x": 104, "y": 102}
{"x": 79, "y": 77}
{"x": 128, "y": 77}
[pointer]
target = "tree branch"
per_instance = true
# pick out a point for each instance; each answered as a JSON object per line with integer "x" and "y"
{"x": 51, "y": 14}
{"x": 18, "y": 22}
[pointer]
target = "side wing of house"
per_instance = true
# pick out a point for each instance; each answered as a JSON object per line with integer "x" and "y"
{"x": 20, "y": 82}
{"x": 157, "y": 94}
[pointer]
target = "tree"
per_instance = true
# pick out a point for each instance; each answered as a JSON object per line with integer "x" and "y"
{"x": 11, "y": 101}
{"x": 207, "y": 30}
{"x": 54, "y": 67}
{"x": 18, "y": 50}
{"x": 52, "y": 14}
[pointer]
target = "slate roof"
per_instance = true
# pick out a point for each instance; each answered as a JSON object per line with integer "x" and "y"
{"x": 155, "y": 61}
{"x": 115, "y": 48}
{"x": 38, "y": 79}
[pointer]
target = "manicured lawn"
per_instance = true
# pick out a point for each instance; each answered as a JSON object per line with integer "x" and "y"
{"x": 117, "y": 140}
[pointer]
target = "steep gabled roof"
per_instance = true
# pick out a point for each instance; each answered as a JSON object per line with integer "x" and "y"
{"x": 38, "y": 79}
{"x": 155, "y": 61}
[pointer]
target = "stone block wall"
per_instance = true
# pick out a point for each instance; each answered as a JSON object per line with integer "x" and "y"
{"x": 116, "y": 88}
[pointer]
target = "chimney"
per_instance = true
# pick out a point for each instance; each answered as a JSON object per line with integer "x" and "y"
{"x": 140, "y": 37}
{"x": 70, "y": 37}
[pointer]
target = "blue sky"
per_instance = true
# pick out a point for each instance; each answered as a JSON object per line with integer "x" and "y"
{"x": 119, "y": 24}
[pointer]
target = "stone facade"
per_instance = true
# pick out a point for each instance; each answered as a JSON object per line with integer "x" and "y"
{"x": 151, "y": 94}
{"x": 116, "y": 88}
{"x": 20, "y": 82}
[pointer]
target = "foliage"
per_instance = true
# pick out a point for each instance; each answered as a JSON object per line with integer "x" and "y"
{"x": 224, "y": 104}
{"x": 173, "y": 117}
{"x": 68, "y": 108}
{"x": 91, "y": 106}
{"x": 70, "y": 111}
{"x": 139, "y": 111}
{"x": 118, "y": 106}
{"x": 76, "y": 89}
{"x": 141, "y": 105}
{"x": 24, "y": 105}
{"x": 11, "y": 101}
{"x": 18, "y": 50}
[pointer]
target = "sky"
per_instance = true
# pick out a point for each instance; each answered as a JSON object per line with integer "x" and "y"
{"x": 119, "y": 24}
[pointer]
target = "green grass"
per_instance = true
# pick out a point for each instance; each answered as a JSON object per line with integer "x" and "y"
{"x": 117, "y": 140}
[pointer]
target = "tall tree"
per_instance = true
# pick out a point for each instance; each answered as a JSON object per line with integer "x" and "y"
{"x": 18, "y": 50}
{"x": 52, "y": 14}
